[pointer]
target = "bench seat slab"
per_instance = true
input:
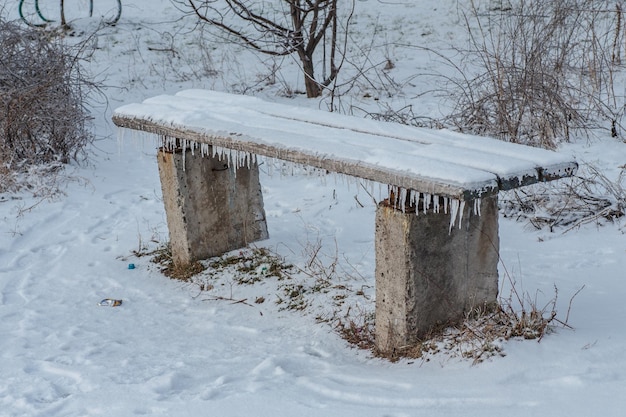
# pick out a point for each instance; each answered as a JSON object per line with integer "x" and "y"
{"x": 436, "y": 162}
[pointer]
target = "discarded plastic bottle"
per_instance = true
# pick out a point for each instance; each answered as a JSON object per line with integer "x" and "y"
{"x": 109, "y": 302}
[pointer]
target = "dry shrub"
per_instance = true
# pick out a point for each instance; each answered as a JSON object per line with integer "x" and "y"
{"x": 588, "y": 197}
{"x": 480, "y": 336}
{"x": 42, "y": 93}
{"x": 539, "y": 71}
{"x": 483, "y": 333}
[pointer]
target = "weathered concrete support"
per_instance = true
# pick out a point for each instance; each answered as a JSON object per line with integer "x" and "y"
{"x": 428, "y": 275}
{"x": 210, "y": 208}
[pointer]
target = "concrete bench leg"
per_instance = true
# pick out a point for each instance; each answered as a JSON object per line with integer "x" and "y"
{"x": 210, "y": 208}
{"x": 428, "y": 276}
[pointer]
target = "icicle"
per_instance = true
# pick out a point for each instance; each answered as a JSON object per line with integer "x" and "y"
{"x": 396, "y": 194}
{"x": 461, "y": 210}
{"x": 436, "y": 204}
{"x": 403, "y": 199}
{"x": 445, "y": 205}
{"x": 477, "y": 206}
{"x": 454, "y": 211}
{"x": 426, "y": 204}
{"x": 184, "y": 153}
{"x": 232, "y": 161}
{"x": 417, "y": 202}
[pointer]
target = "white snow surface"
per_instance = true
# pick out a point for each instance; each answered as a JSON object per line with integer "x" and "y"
{"x": 170, "y": 351}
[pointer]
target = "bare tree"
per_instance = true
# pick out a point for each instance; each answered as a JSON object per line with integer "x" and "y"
{"x": 282, "y": 27}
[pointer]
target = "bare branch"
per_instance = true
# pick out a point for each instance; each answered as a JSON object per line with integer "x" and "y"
{"x": 300, "y": 27}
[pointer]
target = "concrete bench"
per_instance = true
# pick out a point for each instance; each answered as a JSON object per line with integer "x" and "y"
{"x": 436, "y": 237}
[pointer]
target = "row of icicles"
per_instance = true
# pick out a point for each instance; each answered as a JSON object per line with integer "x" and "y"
{"x": 400, "y": 198}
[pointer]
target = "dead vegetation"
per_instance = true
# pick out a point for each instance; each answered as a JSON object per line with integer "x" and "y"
{"x": 253, "y": 276}
{"x": 539, "y": 72}
{"x": 44, "y": 123}
{"x": 588, "y": 197}
{"x": 482, "y": 334}
{"x": 43, "y": 94}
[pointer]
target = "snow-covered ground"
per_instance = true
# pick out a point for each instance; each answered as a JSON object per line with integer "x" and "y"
{"x": 170, "y": 350}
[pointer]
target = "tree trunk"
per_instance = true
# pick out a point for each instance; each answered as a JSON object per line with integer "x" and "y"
{"x": 313, "y": 88}
{"x": 63, "y": 22}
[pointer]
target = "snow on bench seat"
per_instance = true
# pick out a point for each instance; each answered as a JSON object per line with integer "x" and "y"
{"x": 435, "y": 162}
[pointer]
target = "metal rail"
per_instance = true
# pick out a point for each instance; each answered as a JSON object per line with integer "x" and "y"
{"x": 46, "y": 21}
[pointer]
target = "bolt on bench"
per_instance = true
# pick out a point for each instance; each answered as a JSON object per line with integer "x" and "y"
{"x": 436, "y": 237}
